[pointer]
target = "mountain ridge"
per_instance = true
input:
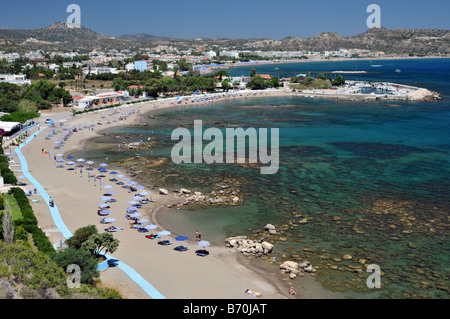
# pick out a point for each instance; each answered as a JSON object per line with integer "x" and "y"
{"x": 398, "y": 41}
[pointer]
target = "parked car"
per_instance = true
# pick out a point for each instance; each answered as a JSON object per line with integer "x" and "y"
{"x": 47, "y": 121}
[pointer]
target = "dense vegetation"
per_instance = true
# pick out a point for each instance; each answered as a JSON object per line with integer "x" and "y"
{"x": 31, "y": 98}
{"x": 29, "y": 265}
{"x": 25, "y": 274}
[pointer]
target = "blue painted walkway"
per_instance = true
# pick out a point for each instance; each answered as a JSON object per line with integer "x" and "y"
{"x": 145, "y": 285}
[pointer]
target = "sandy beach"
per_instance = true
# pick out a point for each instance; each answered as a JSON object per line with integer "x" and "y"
{"x": 224, "y": 274}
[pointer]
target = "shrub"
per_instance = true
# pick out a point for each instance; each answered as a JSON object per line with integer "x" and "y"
{"x": 79, "y": 257}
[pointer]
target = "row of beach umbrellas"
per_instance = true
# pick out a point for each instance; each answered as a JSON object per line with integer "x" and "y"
{"x": 132, "y": 210}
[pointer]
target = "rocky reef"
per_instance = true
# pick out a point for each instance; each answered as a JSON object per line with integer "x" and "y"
{"x": 226, "y": 192}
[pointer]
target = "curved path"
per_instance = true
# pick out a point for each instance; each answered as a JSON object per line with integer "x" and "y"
{"x": 145, "y": 285}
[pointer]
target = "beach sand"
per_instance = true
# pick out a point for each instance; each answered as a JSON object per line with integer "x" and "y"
{"x": 224, "y": 274}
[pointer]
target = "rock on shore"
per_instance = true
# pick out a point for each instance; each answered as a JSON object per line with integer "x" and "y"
{"x": 249, "y": 247}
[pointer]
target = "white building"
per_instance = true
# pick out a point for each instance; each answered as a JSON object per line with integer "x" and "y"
{"x": 210, "y": 54}
{"x": 129, "y": 67}
{"x": 18, "y": 79}
{"x": 108, "y": 98}
{"x": 100, "y": 70}
{"x": 230, "y": 54}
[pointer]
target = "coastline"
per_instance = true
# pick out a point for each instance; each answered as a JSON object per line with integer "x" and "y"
{"x": 276, "y": 286}
{"x": 224, "y": 265}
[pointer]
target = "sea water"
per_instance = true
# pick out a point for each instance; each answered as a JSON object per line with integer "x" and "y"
{"x": 368, "y": 180}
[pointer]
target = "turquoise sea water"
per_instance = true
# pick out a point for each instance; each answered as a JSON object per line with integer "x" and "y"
{"x": 370, "y": 180}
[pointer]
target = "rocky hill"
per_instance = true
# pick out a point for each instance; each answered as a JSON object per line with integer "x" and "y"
{"x": 399, "y": 41}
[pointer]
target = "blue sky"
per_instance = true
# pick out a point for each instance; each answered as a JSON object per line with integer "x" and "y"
{"x": 227, "y": 18}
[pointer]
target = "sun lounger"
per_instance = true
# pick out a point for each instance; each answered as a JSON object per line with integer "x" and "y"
{"x": 113, "y": 262}
{"x": 202, "y": 252}
{"x": 113, "y": 229}
{"x": 181, "y": 248}
{"x": 253, "y": 294}
{"x": 152, "y": 236}
{"x": 143, "y": 230}
{"x": 165, "y": 243}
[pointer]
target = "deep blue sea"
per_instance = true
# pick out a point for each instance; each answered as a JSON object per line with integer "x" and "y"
{"x": 369, "y": 180}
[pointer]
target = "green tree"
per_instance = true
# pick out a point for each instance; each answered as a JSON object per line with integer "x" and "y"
{"x": 153, "y": 87}
{"x": 257, "y": 83}
{"x": 221, "y": 74}
{"x": 21, "y": 234}
{"x": 44, "y": 87}
{"x": 81, "y": 235}
{"x": 252, "y": 73}
{"x": 184, "y": 66}
{"x": 82, "y": 258}
{"x": 118, "y": 84}
{"x": 226, "y": 86}
{"x": 339, "y": 81}
{"x": 100, "y": 243}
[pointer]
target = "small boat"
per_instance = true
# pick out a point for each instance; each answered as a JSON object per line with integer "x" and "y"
{"x": 376, "y": 65}
{"x": 398, "y": 71}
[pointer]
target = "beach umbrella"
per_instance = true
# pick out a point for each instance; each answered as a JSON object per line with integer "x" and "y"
{"x": 119, "y": 176}
{"x": 107, "y": 186}
{"x": 164, "y": 233}
{"x": 59, "y": 155}
{"x": 138, "y": 197}
{"x": 143, "y": 221}
{"x": 111, "y": 192}
{"x": 144, "y": 194}
{"x": 126, "y": 179}
{"x": 105, "y": 198}
{"x": 135, "y": 215}
{"x": 80, "y": 160}
{"x": 203, "y": 243}
{"x": 151, "y": 227}
{"x": 103, "y": 205}
{"x": 181, "y": 238}
{"x": 70, "y": 163}
{"x": 103, "y": 165}
{"x": 114, "y": 173}
{"x": 89, "y": 162}
{"x": 132, "y": 183}
{"x": 70, "y": 157}
{"x": 60, "y": 160}
{"x": 104, "y": 212}
{"x": 132, "y": 202}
